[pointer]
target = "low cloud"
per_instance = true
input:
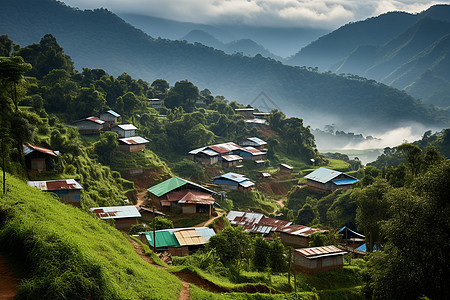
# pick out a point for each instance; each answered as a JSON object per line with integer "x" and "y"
{"x": 328, "y": 14}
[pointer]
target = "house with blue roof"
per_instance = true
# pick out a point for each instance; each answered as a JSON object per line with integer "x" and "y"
{"x": 234, "y": 181}
{"x": 110, "y": 117}
{"x": 325, "y": 180}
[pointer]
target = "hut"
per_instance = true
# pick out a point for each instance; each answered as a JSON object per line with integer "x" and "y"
{"x": 90, "y": 125}
{"x": 254, "y": 142}
{"x": 110, "y": 117}
{"x": 229, "y": 161}
{"x": 39, "y": 159}
{"x": 68, "y": 190}
{"x": 286, "y": 169}
{"x": 132, "y": 144}
{"x": 124, "y": 130}
{"x": 297, "y": 235}
{"x": 124, "y": 216}
{"x": 155, "y": 103}
{"x": 246, "y": 112}
{"x": 251, "y": 153}
{"x": 318, "y": 259}
{"x": 234, "y": 181}
{"x": 327, "y": 181}
{"x": 204, "y": 156}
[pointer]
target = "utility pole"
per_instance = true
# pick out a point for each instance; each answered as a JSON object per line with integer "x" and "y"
{"x": 154, "y": 229}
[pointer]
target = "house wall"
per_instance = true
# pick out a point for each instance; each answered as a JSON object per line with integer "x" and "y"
{"x": 179, "y": 251}
{"x": 71, "y": 197}
{"x": 108, "y": 118}
{"x": 294, "y": 240}
{"x": 88, "y": 127}
{"x": 38, "y": 164}
{"x": 189, "y": 208}
{"x": 227, "y": 184}
{"x": 322, "y": 264}
{"x": 245, "y": 189}
{"x": 285, "y": 171}
{"x": 206, "y": 160}
{"x": 131, "y": 148}
{"x": 317, "y": 186}
{"x": 125, "y": 224}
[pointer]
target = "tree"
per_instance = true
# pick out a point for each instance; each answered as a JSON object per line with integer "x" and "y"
{"x": 232, "y": 245}
{"x": 106, "y": 146}
{"x": 305, "y": 215}
{"x": 262, "y": 249}
{"x": 413, "y": 155}
{"x": 160, "y": 86}
{"x": 12, "y": 70}
{"x": 277, "y": 261}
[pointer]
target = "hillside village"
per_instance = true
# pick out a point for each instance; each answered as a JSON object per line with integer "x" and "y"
{"x": 139, "y": 190}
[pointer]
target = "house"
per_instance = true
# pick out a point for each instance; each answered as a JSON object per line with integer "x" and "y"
{"x": 148, "y": 213}
{"x": 204, "y": 156}
{"x": 124, "y": 216}
{"x": 327, "y": 181}
{"x": 131, "y": 144}
{"x": 257, "y": 122}
{"x": 155, "y": 103}
{"x": 254, "y": 142}
{"x": 234, "y": 181}
{"x": 177, "y": 194}
{"x": 318, "y": 259}
{"x": 110, "y": 117}
{"x": 251, "y": 153}
{"x": 246, "y": 112}
{"x": 90, "y": 125}
{"x": 268, "y": 226}
{"x": 265, "y": 175}
{"x": 178, "y": 241}
{"x": 39, "y": 159}
{"x": 256, "y": 222}
{"x": 286, "y": 169}
{"x": 229, "y": 161}
{"x": 68, "y": 190}
{"x": 351, "y": 239}
{"x": 297, "y": 235}
{"x": 124, "y": 130}
{"x": 261, "y": 115}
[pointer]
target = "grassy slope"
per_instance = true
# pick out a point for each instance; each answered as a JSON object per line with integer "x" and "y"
{"x": 71, "y": 255}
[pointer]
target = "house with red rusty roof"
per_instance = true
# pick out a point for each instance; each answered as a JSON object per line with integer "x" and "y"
{"x": 39, "y": 159}
{"x": 124, "y": 216}
{"x": 256, "y": 223}
{"x": 297, "y": 235}
{"x": 132, "y": 144}
{"x": 318, "y": 259}
{"x": 68, "y": 190}
{"x": 90, "y": 125}
{"x": 225, "y": 152}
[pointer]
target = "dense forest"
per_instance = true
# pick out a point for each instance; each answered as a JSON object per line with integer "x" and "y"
{"x": 399, "y": 198}
{"x": 100, "y": 39}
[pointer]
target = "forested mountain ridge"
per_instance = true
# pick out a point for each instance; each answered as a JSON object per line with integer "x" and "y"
{"x": 100, "y": 39}
{"x": 401, "y": 58}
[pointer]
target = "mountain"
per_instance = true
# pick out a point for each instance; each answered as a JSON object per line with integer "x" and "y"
{"x": 403, "y": 57}
{"x": 100, "y": 39}
{"x": 283, "y": 42}
{"x": 245, "y": 46}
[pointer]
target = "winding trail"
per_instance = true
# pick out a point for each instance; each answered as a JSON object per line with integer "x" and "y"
{"x": 8, "y": 282}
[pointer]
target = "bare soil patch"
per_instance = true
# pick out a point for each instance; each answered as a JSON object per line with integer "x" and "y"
{"x": 9, "y": 283}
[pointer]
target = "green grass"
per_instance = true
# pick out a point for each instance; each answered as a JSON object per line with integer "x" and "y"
{"x": 71, "y": 255}
{"x": 255, "y": 201}
{"x": 338, "y": 165}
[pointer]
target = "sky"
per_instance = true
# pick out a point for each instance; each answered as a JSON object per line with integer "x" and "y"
{"x": 324, "y": 14}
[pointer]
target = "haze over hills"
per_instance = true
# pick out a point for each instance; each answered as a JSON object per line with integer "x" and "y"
{"x": 403, "y": 50}
{"x": 282, "y": 42}
{"x": 100, "y": 39}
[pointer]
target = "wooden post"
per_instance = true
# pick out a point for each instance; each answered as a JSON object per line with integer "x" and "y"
{"x": 154, "y": 229}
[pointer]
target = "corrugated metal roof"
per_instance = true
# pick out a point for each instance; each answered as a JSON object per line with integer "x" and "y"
{"x": 116, "y": 212}
{"x": 113, "y": 113}
{"x": 232, "y": 176}
{"x": 195, "y": 151}
{"x": 287, "y": 166}
{"x": 209, "y": 152}
{"x": 247, "y": 183}
{"x": 244, "y": 218}
{"x": 244, "y": 109}
{"x": 28, "y": 148}
{"x": 189, "y": 237}
{"x": 224, "y": 147}
{"x": 257, "y": 141}
{"x": 300, "y": 230}
{"x": 56, "y": 185}
{"x": 164, "y": 238}
{"x": 125, "y": 127}
{"x": 323, "y": 175}
{"x": 172, "y": 184}
{"x": 316, "y": 252}
{"x": 257, "y": 121}
{"x": 135, "y": 140}
{"x": 231, "y": 157}
{"x": 189, "y": 196}
{"x": 345, "y": 181}
{"x": 149, "y": 210}
{"x": 92, "y": 119}
{"x": 177, "y": 237}
{"x": 253, "y": 151}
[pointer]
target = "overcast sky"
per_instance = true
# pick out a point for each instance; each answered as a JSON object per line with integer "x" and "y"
{"x": 328, "y": 14}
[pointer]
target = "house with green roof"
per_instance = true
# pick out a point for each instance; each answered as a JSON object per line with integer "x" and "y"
{"x": 180, "y": 195}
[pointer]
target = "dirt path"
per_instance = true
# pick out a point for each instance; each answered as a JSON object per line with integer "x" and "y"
{"x": 207, "y": 222}
{"x": 141, "y": 199}
{"x": 8, "y": 282}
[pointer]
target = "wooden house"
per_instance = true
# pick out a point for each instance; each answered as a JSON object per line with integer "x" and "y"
{"x": 204, "y": 156}
{"x": 286, "y": 169}
{"x": 124, "y": 216}
{"x": 39, "y": 159}
{"x": 318, "y": 259}
{"x": 178, "y": 241}
{"x": 110, "y": 117}
{"x": 155, "y": 103}
{"x": 90, "y": 125}
{"x": 254, "y": 142}
{"x": 327, "y": 181}
{"x": 124, "y": 130}
{"x": 251, "y": 153}
{"x": 297, "y": 235}
{"x": 234, "y": 181}
{"x": 180, "y": 195}
{"x": 229, "y": 161}
{"x": 68, "y": 190}
{"x": 132, "y": 144}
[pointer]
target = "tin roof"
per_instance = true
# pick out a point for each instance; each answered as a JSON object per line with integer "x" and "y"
{"x": 247, "y": 183}
{"x": 323, "y": 175}
{"x": 287, "y": 166}
{"x": 266, "y": 175}
{"x": 232, "y": 176}
{"x": 28, "y": 148}
{"x": 244, "y": 109}
{"x": 56, "y": 185}
{"x": 116, "y": 212}
{"x": 257, "y": 141}
{"x": 177, "y": 237}
{"x": 224, "y": 147}
{"x": 149, "y": 210}
{"x": 91, "y": 119}
{"x": 113, "y": 113}
{"x": 188, "y": 237}
{"x": 257, "y": 121}
{"x": 267, "y": 225}
{"x": 125, "y": 127}
{"x": 316, "y": 252}
{"x": 300, "y": 230}
{"x": 172, "y": 184}
{"x": 244, "y": 218}
{"x": 345, "y": 181}
{"x": 135, "y": 140}
{"x": 231, "y": 157}
{"x": 253, "y": 151}
{"x": 189, "y": 196}
{"x": 164, "y": 238}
